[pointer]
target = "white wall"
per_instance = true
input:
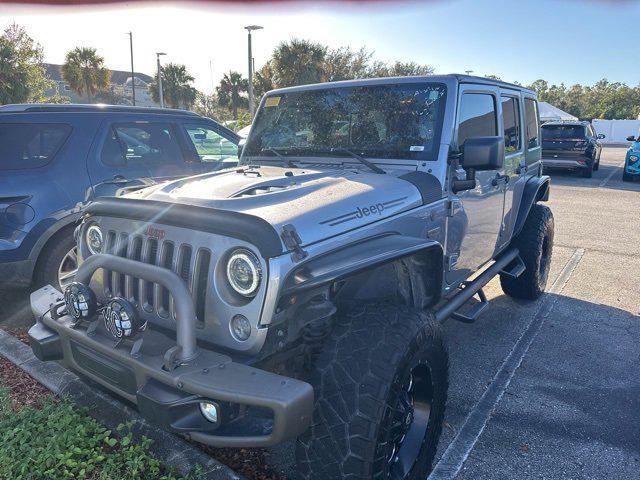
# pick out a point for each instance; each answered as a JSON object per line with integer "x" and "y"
{"x": 616, "y": 131}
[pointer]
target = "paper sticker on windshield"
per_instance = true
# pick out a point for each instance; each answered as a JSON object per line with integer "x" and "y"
{"x": 273, "y": 101}
{"x": 416, "y": 148}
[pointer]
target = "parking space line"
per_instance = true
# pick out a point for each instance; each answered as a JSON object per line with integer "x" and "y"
{"x": 613, "y": 172}
{"x": 461, "y": 446}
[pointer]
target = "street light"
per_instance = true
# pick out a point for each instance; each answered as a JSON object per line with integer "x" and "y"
{"x": 249, "y": 29}
{"x": 133, "y": 80}
{"x": 160, "y": 79}
{"x": 468, "y": 72}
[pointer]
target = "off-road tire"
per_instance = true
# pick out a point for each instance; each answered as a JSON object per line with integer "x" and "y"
{"x": 51, "y": 256}
{"x": 627, "y": 177}
{"x": 587, "y": 172}
{"x": 357, "y": 382}
{"x": 535, "y": 243}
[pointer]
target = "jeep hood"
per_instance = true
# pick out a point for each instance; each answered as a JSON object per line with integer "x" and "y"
{"x": 318, "y": 203}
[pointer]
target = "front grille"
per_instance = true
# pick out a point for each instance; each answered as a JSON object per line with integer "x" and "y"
{"x": 191, "y": 263}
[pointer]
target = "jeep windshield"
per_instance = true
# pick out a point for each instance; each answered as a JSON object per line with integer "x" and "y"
{"x": 399, "y": 121}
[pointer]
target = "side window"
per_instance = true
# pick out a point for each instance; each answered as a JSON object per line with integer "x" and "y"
{"x": 30, "y": 145}
{"x": 477, "y": 117}
{"x": 511, "y": 122}
{"x": 146, "y": 144}
{"x": 209, "y": 144}
{"x": 532, "y": 123}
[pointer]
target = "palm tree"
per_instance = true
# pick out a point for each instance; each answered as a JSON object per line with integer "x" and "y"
{"x": 177, "y": 91}
{"x": 85, "y": 72}
{"x": 230, "y": 92}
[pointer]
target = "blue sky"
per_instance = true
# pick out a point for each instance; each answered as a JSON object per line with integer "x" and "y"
{"x": 560, "y": 40}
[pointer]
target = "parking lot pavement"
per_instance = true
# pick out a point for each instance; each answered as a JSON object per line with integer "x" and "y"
{"x": 571, "y": 406}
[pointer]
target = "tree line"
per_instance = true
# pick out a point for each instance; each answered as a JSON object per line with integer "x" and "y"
{"x": 23, "y": 79}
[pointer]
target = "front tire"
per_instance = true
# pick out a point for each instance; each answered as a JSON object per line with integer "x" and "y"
{"x": 380, "y": 391}
{"x": 535, "y": 243}
{"x": 58, "y": 262}
{"x": 626, "y": 177}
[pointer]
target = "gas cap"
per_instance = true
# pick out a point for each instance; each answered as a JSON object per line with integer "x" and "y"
{"x": 19, "y": 214}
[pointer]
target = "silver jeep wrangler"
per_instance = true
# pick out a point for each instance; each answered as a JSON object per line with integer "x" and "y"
{"x": 300, "y": 295}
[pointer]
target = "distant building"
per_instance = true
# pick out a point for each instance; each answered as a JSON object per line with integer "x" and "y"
{"x": 119, "y": 92}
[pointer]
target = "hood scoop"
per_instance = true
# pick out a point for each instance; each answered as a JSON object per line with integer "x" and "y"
{"x": 254, "y": 190}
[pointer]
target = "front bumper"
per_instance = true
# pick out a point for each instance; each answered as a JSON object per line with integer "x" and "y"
{"x": 256, "y": 408}
{"x": 632, "y": 168}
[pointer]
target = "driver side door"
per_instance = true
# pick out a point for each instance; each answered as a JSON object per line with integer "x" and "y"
{"x": 476, "y": 218}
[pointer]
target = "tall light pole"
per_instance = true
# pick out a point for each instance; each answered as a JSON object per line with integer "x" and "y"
{"x": 468, "y": 72}
{"x": 133, "y": 78}
{"x": 158, "y": 54}
{"x": 249, "y": 29}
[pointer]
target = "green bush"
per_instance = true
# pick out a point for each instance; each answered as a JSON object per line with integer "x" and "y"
{"x": 59, "y": 441}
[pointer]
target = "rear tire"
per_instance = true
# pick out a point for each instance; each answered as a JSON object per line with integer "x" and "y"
{"x": 50, "y": 261}
{"x": 627, "y": 177}
{"x": 596, "y": 166}
{"x": 535, "y": 243}
{"x": 380, "y": 391}
{"x": 588, "y": 172}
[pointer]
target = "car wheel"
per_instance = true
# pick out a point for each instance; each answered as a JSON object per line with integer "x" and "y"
{"x": 588, "y": 171}
{"x": 380, "y": 387}
{"x": 596, "y": 166}
{"x": 58, "y": 263}
{"x": 626, "y": 177}
{"x": 535, "y": 243}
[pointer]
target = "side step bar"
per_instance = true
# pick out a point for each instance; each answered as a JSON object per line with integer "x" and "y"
{"x": 515, "y": 268}
{"x": 473, "y": 287}
{"x": 474, "y": 312}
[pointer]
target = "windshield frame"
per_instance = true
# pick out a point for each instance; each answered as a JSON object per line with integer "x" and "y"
{"x": 318, "y": 154}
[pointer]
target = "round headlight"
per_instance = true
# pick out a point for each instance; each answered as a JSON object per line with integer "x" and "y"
{"x": 244, "y": 272}
{"x": 94, "y": 239}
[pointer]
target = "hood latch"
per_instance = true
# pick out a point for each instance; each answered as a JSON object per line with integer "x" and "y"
{"x": 293, "y": 242}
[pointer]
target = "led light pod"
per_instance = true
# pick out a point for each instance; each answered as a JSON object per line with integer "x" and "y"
{"x": 80, "y": 302}
{"x": 121, "y": 319}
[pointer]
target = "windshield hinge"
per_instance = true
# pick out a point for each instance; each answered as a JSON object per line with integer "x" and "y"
{"x": 293, "y": 241}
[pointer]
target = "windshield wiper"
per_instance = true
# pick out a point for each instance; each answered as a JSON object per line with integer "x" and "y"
{"x": 285, "y": 160}
{"x": 362, "y": 160}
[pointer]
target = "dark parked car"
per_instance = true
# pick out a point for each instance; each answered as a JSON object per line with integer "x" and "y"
{"x": 54, "y": 159}
{"x": 571, "y": 146}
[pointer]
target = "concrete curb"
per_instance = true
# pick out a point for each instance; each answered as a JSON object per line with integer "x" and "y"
{"x": 173, "y": 451}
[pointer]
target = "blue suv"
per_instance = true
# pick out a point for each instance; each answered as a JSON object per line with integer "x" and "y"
{"x": 55, "y": 159}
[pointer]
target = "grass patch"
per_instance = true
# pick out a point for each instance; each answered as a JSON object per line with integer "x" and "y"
{"x": 56, "y": 439}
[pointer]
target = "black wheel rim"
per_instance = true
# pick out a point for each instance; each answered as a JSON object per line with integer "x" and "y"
{"x": 410, "y": 421}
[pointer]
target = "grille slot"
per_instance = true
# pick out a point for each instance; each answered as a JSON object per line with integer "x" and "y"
{"x": 190, "y": 263}
{"x": 200, "y": 283}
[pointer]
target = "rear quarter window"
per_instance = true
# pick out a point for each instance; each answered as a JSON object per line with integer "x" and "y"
{"x": 30, "y": 145}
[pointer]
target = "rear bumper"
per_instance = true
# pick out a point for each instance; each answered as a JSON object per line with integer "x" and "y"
{"x": 256, "y": 408}
{"x": 567, "y": 163}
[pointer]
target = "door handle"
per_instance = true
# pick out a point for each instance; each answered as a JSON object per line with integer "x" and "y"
{"x": 498, "y": 179}
{"x": 117, "y": 179}
{"x": 521, "y": 169}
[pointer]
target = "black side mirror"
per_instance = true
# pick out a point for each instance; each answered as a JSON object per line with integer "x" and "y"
{"x": 240, "y": 147}
{"x": 601, "y": 136}
{"x": 482, "y": 153}
{"x": 631, "y": 139}
{"x": 479, "y": 153}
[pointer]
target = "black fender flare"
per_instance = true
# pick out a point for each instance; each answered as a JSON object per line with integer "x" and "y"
{"x": 355, "y": 258}
{"x": 537, "y": 189}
